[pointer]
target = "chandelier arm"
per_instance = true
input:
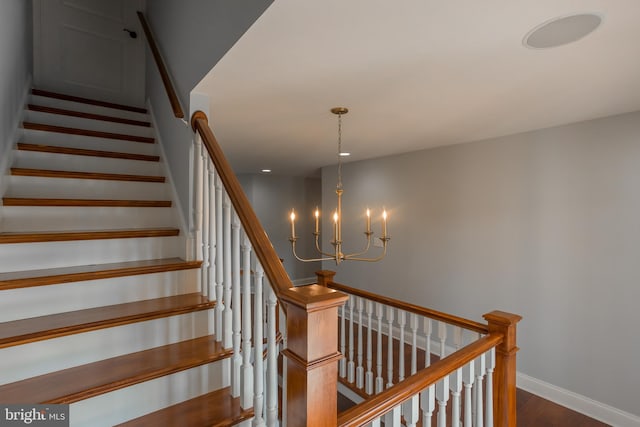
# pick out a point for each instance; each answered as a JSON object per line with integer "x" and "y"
{"x": 354, "y": 257}
{"x": 366, "y": 249}
{"x": 320, "y": 250}
{"x": 295, "y": 254}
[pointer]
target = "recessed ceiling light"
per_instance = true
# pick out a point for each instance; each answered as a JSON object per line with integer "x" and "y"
{"x": 562, "y": 30}
{"x": 266, "y": 171}
{"x": 344, "y": 154}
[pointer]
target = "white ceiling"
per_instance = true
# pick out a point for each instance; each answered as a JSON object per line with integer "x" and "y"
{"x": 414, "y": 74}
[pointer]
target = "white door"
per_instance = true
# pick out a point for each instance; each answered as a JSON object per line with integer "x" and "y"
{"x": 81, "y": 48}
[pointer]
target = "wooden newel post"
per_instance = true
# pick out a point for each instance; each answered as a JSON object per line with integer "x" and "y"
{"x": 504, "y": 376}
{"x": 312, "y": 355}
{"x": 325, "y": 276}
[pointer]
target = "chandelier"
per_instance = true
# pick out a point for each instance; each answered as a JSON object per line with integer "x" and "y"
{"x": 338, "y": 256}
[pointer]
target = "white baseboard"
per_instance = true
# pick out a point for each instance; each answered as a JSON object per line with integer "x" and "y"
{"x": 6, "y": 156}
{"x": 305, "y": 281}
{"x": 185, "y": 231}
{"x": 349, "y": 394}
{"x": 584, "y": 405}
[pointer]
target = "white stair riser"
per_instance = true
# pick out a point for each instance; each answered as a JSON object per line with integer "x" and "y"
{"x": 45, "y": 101}
{"x": 70, "y": 162}
{"x": 71, "y": 188}
{"x": 33, "y": 256}
{"x": 87, "y": 142}
{"x": 89, "y": 124}
{"x": 63, "y": 218}
{"x": 42, "y": 357}
{"x": 132, "y": 402}
{"x": 24, "y": 303}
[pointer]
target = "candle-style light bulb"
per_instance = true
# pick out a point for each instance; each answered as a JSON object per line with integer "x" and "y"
{"x": 317, "y": 215}
{"x": 293, "y": 223}
{"x": 335, "y": 225}
{"x": 384, "y": 223}
{"x": 368, "y": 221}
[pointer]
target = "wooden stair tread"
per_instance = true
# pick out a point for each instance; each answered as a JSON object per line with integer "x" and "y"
{"x": 49, "y": 173}
{"x": 49, "y": 94}
{"x": 87, "y": 132}
{"x": 17, "y": 201}
{"x": 101, "y": 117}
{"x": 82, "y": 382}
{"x": 215, "y": 409}
{"x": 59, "y": 236}
{"x": 50, "y": 276}
{"x": 24, "y": 331}
{"x": 84, "y": 152}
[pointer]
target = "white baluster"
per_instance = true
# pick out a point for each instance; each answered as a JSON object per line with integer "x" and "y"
{"x": 283, "y": 331}
{"x": 393, "y": 417}
{"x": 491, "y": 365}
{"x": 359, "y": 367}
{"x": 237, "y": 307}
{"x": 402, "y": 321}
{"x": 228, "y": 313}
{"x": 427, "y": 348}
{"x": 455, "y": 384}
{"x": 468, "y": 378}
{"x": 442, "y": 396}
{"x": 442, "y": 336}
{"x": 457, "y": 337}
{"x": 258, "y": 368}
{"x": 197, "y": 178}
{"x": 376, "y": 423}
{"x": 213, "y": 295}
{"x": 246, "y": 392}
{"x": 351, "y": 363}
{"x": 272, "y": 360}
{"x": 219, "y": 256}
{"x": 368, "y": 381}
{"x": 379, "y": 379}
{"x": 428, "y": 404}
{"x": 480, "y": 371}
{"x": 342, "y": 365}
{"x": 390, "y": 347}
{"x": 204, "y": 271}
{"x": 411, "y": 411}
{"x": 413, "y": 325}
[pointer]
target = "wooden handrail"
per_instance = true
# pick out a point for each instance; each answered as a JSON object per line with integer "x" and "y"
{"x": 388, "y": 399}
{"x": 411, "y": 308}
{"x": 273, "y": 268}
{"x": 162, "y": 68}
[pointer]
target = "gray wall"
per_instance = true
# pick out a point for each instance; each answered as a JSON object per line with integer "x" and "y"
{"x": 192, "y": 35}
{"x": 16, "y": 67}
{"x": 272, "y": 198}
{"x": 545, "y": 224}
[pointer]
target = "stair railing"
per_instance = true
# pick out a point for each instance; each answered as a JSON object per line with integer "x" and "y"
{"x": 232, "y": 244}
{"x": 467, "y": 363}
{"x": 178, "y": 112}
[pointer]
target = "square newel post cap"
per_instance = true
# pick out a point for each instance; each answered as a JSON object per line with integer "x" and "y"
{"x": 504, "y": 323}
{"x": 325, "y": 276}
{"x": 502, "y": 318}
{"x": 314, "y": 297}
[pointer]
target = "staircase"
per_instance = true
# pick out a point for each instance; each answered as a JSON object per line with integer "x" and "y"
{"x": 99, "y": 308}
